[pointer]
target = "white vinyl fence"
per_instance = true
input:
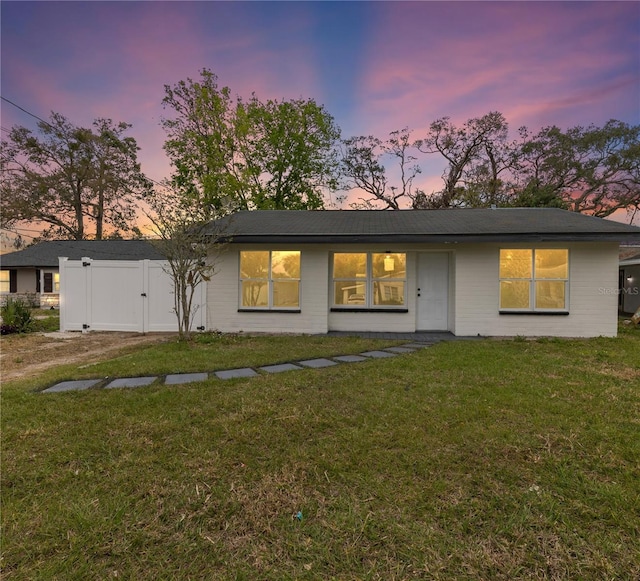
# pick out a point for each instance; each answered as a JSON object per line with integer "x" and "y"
{"x": 121, "y": 295}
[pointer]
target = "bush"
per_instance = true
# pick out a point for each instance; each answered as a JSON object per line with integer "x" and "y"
{"x": 7, "y": 329}
{"x": 17, "y": 314}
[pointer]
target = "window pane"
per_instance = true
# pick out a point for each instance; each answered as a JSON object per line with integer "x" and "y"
{"x": 56, "y": 282}
{"x": 285, "y": 264}
{"x": 349, "y": 265}
{"x": 388, "y": 293}
{"x": 514, "y": 294}
{"x": 286, "y": 294}
{"x": 4, "y": 281}
{"x": 255, "y": 293}
{"x": 550, "y": 295}
{"x": 389, "y": 265}
{"x": 515, "y": 263}
{"x": 351, "y": 292}
{"x": 552, "y": 264}
{"x": 254, "y": 264}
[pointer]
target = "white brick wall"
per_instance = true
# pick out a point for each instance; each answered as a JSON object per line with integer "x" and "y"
{"x": 224, "y": 292}
{"x": 474, "y": 294}
{"x": 593, "y": 278}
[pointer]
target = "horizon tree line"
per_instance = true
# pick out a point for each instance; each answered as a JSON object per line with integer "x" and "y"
{"x": 230, "y": 154}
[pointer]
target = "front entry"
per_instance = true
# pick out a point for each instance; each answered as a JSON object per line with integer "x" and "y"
{"x": 433, "y": 291}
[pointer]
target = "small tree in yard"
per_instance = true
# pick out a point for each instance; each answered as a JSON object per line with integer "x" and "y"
{"x": 191, "y": 247}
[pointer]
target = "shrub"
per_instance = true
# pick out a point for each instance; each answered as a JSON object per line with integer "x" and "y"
{"x": 16, "y": 313}
{"x": 7, "y": 329}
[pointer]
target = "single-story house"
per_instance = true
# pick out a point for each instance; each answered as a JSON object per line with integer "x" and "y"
{"x": 488, "y": 272}
{"x": 629, "y": 285}
{"x": 33, "y": 272}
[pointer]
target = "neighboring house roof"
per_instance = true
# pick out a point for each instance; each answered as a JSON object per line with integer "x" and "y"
{"x": 630, "y": 260}
{"x": 46, "y": 254}
{"x": 459, "y": 225}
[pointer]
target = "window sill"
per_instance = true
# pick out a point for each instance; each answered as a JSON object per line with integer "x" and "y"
{"x": 536, "y": 313}
{"x": 269, "y": 311}
{"x": 365, "y": 310}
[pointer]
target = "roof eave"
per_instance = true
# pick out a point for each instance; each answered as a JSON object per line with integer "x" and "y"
{"x": 425, "y": 238}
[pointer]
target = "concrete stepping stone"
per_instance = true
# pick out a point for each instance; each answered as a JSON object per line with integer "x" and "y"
{"x": 180, "y": 378}
{"x": 130, "y": 382}
{"x": 417, "y": 345}
{"x": 400, "y": 349}
{"x": 77, "y": 385}
{"x": 233, "y": 373}
{"x": 377, "y": 354}
{"x": 317, "y": 363}
{"x": 349, "y": 358}
{"x": 280, "y": 368}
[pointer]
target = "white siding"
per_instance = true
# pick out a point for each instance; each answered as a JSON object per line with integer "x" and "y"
{"x": 26, "y": 280}
{"x": 593, "y": 278}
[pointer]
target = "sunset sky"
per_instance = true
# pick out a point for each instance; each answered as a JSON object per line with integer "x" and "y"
{"x": 375, "y": 66}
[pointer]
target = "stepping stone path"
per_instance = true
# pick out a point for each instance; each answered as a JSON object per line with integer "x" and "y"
{"x": 184, "y": 378}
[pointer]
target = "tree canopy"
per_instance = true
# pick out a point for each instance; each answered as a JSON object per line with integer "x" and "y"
{"x": 595, "y": 170}
{"x": 76, "y": 182}
{"x": 229, "y": 154}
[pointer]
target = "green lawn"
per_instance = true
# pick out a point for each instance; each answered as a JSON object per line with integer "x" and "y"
{"x": 468, "y": 460}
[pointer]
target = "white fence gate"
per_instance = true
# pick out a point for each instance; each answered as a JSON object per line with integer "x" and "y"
{"x": 121, "y": 295}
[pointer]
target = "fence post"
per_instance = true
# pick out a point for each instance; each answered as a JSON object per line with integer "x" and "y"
{"x": 88, "y": 289}
{"x": 145, "y": 295}
{"x": 62, "y": 265}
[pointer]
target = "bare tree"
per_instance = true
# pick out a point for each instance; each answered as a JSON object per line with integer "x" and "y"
{"x": 462, "y": 147}
{"x": 363, "y": 169}
{"x": 191, "y": 246}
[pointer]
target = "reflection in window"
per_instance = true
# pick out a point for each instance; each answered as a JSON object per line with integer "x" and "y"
{"x": 270, "y": 279}
{"x": 369, "y": 280}
{"x": 534, "y": 279}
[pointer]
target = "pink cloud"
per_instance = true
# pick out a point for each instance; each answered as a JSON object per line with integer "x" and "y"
{"x": 524, "y": 59}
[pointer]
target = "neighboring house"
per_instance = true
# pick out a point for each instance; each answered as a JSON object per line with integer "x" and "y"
{"x": 489, "y": 272}
{"x": 33, "y": 272}
{"x": 629, "y": 280}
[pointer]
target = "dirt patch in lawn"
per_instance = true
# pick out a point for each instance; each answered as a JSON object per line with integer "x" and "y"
{"x": 28, "y": 355}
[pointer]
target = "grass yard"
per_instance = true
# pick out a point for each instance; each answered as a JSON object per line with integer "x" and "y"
{"x": 468, "y": 460}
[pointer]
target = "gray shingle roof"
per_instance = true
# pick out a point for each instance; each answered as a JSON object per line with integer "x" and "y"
{"x": 502, "y": 224}
{"x": 46, "y": 254}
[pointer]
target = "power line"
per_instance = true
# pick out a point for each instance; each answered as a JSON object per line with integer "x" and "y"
{"x": 20, "y": 228}
{"x": 27, "y": 112}
{"x": 52, "y": 127}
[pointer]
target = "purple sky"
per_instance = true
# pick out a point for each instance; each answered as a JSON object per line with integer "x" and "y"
{"x": 375, "y": 66}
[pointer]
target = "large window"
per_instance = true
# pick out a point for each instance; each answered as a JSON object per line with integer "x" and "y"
{"x": 270, "y": 279}
{"x": 534, "y": 279}
{"x": 369, "y": 279}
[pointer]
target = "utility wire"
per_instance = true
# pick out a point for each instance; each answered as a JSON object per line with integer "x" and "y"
{"x": 27, "y": 112}
{"x": 49, "y": 125}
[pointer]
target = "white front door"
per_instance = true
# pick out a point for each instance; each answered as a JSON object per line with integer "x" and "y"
{"x": 433, "y": 291}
